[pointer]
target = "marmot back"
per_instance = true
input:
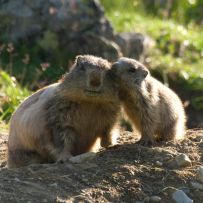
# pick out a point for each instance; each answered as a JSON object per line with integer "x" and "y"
{"x": 154, "y": 109}
{"x": 66, "y": 118}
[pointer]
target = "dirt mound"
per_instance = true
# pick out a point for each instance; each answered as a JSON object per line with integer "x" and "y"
{"x": 123, "y": 173}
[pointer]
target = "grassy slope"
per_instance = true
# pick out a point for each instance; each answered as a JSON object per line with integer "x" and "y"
{"x": 178, "y": 48}
{"x": 162, "y": 32}
{"x": 128, "y": 18}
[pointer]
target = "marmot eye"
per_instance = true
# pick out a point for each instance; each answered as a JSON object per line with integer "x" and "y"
{"x": 131, "y": 70}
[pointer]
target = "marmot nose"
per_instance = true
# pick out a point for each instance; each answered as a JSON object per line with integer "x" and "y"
{"x": 95, "y": 81}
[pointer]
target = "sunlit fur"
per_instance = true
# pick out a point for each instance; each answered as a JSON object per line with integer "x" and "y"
{"x": 154, "y": 109}
{"x": 66, "y": 118}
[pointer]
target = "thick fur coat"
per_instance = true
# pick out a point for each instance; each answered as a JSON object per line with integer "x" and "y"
{"x": 66, "y": 118}
{"x": 154, "y": 109}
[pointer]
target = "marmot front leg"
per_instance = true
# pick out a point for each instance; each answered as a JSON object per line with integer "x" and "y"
{"x": 64, "y": 143}
{"x": 147, "y": 132}
{"x": 110, "y": 138}
{"x": 106, "y": 140}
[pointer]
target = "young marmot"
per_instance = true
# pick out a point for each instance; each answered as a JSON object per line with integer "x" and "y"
{"x": 154, "y": 109}
{"x": 66, "y": 118}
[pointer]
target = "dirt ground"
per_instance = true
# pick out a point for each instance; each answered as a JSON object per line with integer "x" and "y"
{"x": 126, "y": 172}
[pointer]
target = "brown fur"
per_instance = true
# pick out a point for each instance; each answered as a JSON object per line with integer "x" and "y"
{"x": 154, "y": 109}
{"x": 66, "y": 118}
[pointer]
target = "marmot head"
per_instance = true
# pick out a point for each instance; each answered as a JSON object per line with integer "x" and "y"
{"x": 128, "y": 73}
{"x": 88, "y": 80}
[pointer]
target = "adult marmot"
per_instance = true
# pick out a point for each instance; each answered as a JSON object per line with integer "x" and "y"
{"x": 66, "y": 118}
{"x": 154, "y": 109}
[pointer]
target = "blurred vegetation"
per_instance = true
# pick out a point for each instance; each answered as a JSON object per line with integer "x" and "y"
{"x": 187, "y": 11}
{"x": 34, "y": 66}
{"x": 11, "y": 95}
{"x": 175, "y": 26}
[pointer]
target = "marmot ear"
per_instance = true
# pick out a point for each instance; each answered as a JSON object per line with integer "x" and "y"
{"x": 145, "y": 73}
{"x": 114, "y": 66}
{"x": 79, "y": 59}
{"x": 112, "y": 71}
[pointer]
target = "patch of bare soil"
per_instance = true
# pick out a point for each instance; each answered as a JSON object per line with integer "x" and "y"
{"x": 126, "y": 172}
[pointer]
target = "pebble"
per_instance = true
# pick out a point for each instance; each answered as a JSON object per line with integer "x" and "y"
{"x": 186, "y": 190}
{"x": 196, "y": 185}
{"x": 155, "y": 199}
{"x": 17, "y": 179}
{"x": 82, "y": 157}
{"x": 201, "y": 144}
{"x": 180, "y": 197}
{"x": 146, "y": 199}
{"x": 152, "y": 199}
{"x": 181, "y": 160}
{"x": 200, "y": 174}
{"x": 199, "y": 138}
{"x": 53, "y": 184}
{"x": 158, "y": 163}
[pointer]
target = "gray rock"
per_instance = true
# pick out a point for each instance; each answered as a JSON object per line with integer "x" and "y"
{"x": 196, "y": 185}
{"x": 180, "y": 197}
{"x": 158, "y": 163}
{"x": 180, "y": 160}
{"x": 71, "y": 26}
{"x": 53, "y": 184}
{"x": 200, "y": 174}
{"x": 199, "y": 138}
{"x": 134, "y": 45}
{"x": 146, "y": 199}
{"x": 186, "y": 190}
{"x": 76, "y": 27}
{"x": 82, "y": 158}
{"x": 183, "y": 160}
{"x": 201, "y": 144}
{"x": 155, "y": 199}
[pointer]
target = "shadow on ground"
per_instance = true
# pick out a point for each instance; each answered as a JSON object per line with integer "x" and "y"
{"x": 123, "y": 173}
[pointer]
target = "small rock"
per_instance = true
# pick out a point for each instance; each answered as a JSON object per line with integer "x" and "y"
{"x": 196, "y": 185}
{"x": 199, "y": 138}
{"x": 180, "y": 197}
{"x": 85, "y": 180}
{"x": 53, "y": 185}
{"x": 17, "y": 179}
{"x": 183, "y": 160}
{"x": 146, "y": 199}
{"x": 180, "y": 161}
{"x": 132, "y": 44}
{"x": 185, "y": 190}
{"x": 158, "y": 163}
{"x": 201, "y": 144}
{"x": 82, "y": 157}
{"x": 155, "y": 199}
{"x": 200, "y": 174}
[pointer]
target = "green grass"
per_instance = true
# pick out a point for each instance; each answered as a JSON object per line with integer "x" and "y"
{"x": 167, "y": 33}
{"x": 170, "y": 37}
{"x": 11, "y": 95}
{"x": 178, "y": 48}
